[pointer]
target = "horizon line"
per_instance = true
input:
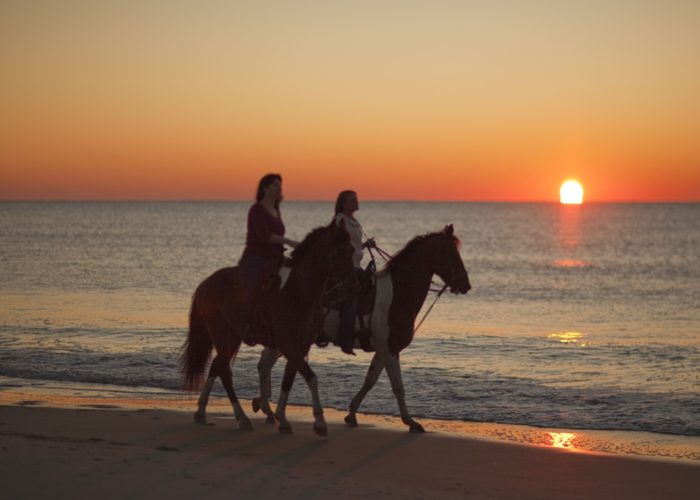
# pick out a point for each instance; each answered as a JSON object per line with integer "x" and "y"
{"x": 327, "y": 200}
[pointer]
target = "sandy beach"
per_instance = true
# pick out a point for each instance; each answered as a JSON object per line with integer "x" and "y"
{"x": 81, "y": 448}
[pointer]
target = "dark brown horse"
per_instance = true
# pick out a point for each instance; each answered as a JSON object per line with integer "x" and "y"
{"x": 291, "y": 317}
{"x": 401, "y": 291}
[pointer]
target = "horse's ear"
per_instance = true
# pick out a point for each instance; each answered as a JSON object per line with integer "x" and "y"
{"x": 449, "y": 230}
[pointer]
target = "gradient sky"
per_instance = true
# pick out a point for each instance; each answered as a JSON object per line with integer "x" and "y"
{"x": 413, "y": 100}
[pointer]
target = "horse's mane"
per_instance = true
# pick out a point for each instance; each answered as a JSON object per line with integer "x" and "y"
{"x": 404, "y": 254}
{"x": 307, "y": 243}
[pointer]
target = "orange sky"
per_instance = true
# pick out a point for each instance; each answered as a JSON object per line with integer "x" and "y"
{"x": 479, "y": 100}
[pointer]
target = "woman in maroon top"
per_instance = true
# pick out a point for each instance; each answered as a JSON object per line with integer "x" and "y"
{"x": 264, "y": 245}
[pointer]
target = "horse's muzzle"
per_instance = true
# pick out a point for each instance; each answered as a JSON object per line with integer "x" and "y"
{"x": 461, "y": 284}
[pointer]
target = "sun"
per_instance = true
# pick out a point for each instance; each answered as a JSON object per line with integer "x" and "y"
{"x": 571, "y": 193}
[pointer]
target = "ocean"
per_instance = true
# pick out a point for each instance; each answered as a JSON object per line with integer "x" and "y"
{"x": 580, "y": 317}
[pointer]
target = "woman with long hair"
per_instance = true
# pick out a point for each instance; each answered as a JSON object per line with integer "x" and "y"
{"x": 264, "y": 245}
{"x": 345, "y": 207}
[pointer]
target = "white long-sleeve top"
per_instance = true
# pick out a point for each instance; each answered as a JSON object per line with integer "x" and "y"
{"x": 354, "y": 229}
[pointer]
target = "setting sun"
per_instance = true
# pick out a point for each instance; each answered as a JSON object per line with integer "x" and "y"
{"x": 571, "y": 193}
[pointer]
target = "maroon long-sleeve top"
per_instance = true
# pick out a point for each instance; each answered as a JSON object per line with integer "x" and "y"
{"x": 261, "y": 225}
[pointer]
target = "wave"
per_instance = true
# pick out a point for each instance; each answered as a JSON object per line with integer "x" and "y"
{"x": 481, "y": 396}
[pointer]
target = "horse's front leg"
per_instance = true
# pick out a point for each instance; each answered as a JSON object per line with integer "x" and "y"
{"x": 296, "y": 359}
{"x": 268, "y": 358}
{"x": 393, "y": 369}
{"x": 320, "y": 426}
{"x": 281, "y": 413}
{"x": 373, "y": 372}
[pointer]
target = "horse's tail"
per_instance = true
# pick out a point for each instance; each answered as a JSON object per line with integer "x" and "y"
{"x": 197, "y": 350}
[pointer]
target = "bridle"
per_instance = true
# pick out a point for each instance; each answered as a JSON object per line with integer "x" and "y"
{"x": 434, "y": 287}
{"x": 451, "y": 281}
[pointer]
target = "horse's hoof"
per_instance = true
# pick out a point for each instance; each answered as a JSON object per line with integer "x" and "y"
{"x": 200, "y": 418}
{"x": 270, "y": 419}
{"x": 351, "y": 420}
{"x": 416, "y": 429}
{"x": 245, "y": 425}
{"x": 285, "y": 429}
{"x": 256, "y": 405}
{"x": 321, "y": 431}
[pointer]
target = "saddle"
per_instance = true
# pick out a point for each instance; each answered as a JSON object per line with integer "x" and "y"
{"x": 368, "y": 292}
{"x": 335, "y": 296}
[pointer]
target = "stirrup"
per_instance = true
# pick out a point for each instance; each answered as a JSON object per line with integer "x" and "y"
{"x": 246, "y": 336}
{"x": 364, "y": 336}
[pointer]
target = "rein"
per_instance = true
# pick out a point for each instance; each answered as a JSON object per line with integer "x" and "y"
{"x": 439, "y": 294}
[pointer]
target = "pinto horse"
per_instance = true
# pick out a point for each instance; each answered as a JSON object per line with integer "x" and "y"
{"x": 401, "y": 291}
{"x": 293, "y": 317}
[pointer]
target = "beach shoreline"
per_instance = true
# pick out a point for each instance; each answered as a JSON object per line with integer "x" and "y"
{"x": 66, "y": 395}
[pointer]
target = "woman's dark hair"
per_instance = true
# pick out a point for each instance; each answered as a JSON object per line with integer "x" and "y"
{"x": 264, "y": 183}
{"x": 340, "y": 201}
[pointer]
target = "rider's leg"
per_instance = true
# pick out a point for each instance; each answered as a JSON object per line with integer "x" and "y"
{"x": 251, "y": 271}
{"x": 346, "y": 328}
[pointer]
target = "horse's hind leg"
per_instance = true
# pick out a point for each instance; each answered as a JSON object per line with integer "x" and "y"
{"x": 200, "y": 415}
{"x": 373, "y": 372}
{"x": 268, "y": 358}
{"x": 226, "y": 375}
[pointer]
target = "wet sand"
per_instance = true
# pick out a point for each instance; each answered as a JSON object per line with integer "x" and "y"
{"x": 73, "y": 447}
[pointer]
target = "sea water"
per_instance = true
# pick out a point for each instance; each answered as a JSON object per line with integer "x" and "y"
{"x": 583, "y": 317}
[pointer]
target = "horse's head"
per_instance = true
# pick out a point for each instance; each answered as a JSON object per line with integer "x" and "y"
{"x": 328, "y": 250}
{"x": 448, "y": 262}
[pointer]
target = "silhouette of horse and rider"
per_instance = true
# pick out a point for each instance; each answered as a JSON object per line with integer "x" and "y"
{"x": 280, "y": 304}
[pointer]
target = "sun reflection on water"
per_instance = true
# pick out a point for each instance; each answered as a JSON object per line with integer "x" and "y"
{"x": 568, "y": 338}
{"x": 571, "y": 263}
{"x": 569, "y": 226}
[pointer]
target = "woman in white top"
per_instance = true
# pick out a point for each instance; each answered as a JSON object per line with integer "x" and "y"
{"x": 345, "y": 207}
